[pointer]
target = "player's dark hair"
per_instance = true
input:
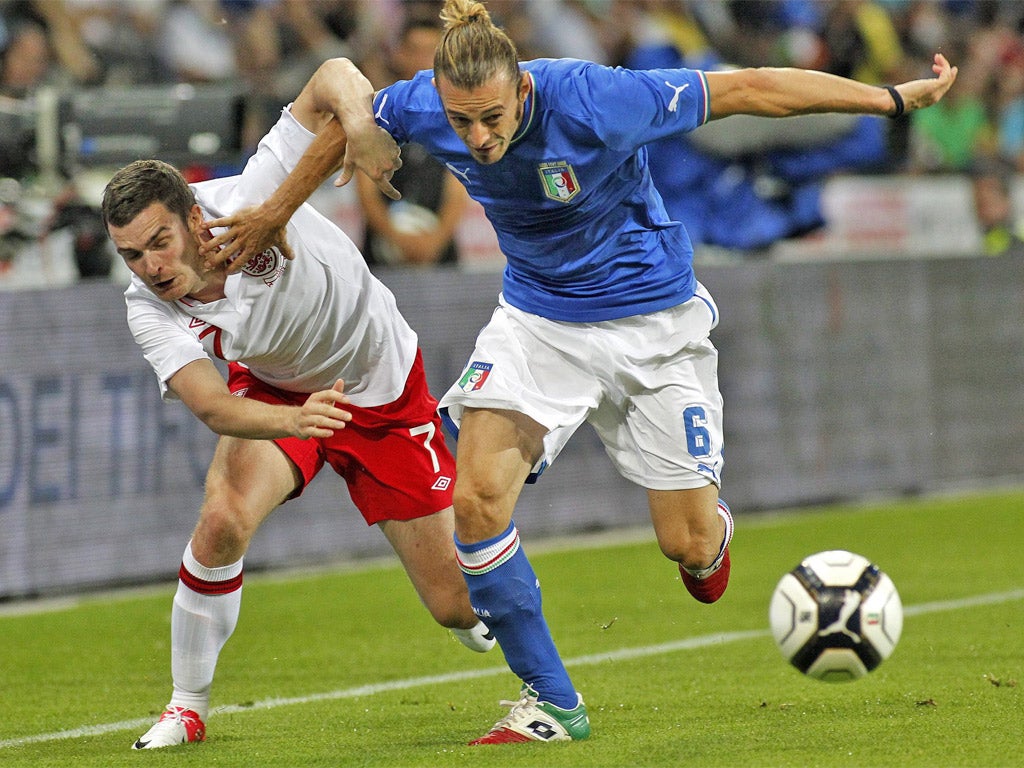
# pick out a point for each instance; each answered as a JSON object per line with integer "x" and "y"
{"x": 473, "y": 50}
{"x": 140, "y": 184}
{"x": 420, "y": 20}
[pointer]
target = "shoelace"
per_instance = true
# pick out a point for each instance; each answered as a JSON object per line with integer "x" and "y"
{"x": 526, "y": 702}
{"x": 178, "y": 715}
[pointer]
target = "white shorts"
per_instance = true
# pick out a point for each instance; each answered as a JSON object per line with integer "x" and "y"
{"x": 648, "y": 384}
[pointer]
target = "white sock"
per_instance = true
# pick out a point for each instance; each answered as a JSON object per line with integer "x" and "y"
{"x": 477, "y": 638}
{"x": 726, "y": 515}
{"x": 204, "y": 615}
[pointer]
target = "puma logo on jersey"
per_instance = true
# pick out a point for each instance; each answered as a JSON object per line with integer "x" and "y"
{"x": 378, "y": 115}
{"x": 464, "y": 175}
{"x": 677, "y": 89}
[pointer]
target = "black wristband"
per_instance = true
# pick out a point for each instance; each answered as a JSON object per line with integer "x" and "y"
{"x": 897, "y": 100}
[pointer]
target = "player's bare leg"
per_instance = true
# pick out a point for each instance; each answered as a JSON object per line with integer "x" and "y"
{"x": 694, "y": 528}
{"x": 424, "y": 546}
{"x": 247, "y": 480}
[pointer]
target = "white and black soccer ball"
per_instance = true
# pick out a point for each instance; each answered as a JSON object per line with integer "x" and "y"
{"x": 836, "y": 616}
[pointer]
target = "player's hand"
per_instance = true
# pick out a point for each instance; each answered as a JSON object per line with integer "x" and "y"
{"x": 918, "y": 94}
{"x": 248, "y": 233}
{"x": 376, "y": 154}
{"x": 321, "y": 415}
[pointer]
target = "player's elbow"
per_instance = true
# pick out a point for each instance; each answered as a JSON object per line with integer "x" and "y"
{"x": 217, "y": 414}
{"x": 214, "y": 421}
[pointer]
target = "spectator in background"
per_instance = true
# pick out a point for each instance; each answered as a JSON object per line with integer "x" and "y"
{"x": 1011, "y": 115}
{"x": 419, "y": 229}
{"x": 556, "y": 28}
{"x": 313, "y": 31}
{"x": 194, "y": 42}
{"x": 40, "y": 45}
{"x": 121, "y": 34}
{"x": 950, "y": 137}
{"x": 26, "y": 59}
{"x": 862, "y": 42}
{"x": 280, "y": 43}
{"x": 1001, "y": 230}
{"x": 997, "y": 53}
{"x": 202, "y": 42}
{"x": 764, "y": 32}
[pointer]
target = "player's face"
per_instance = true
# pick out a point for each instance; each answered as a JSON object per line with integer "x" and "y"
{"x": 487, "y": 117}
{"x": 163, "y": 251}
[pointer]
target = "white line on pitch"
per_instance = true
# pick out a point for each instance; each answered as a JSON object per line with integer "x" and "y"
{"x": 623, "y": 654}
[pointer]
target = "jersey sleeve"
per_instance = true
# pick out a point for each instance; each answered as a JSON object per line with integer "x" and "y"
{"x": 384, "y": 112}
{"x": 401, "y": 107}
{"x": 276, "y": 156}
{"x": 630, "y": 108}
{"x": 166, "y": 345}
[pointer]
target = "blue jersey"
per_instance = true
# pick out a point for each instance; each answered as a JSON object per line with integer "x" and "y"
{"x": 583, "y": 229}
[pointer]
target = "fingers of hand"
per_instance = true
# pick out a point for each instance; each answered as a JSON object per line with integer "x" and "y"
{"x": 225, "y": 221}
{"x": 344, "y": 178}
{"x": 327, "y": 404}
{"x": 228, "y": 253}
{"x": 238, "y": 262}
{"x": 323, "y": 419}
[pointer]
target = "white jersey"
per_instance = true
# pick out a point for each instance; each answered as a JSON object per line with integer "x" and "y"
{"x": 298, "y": 325}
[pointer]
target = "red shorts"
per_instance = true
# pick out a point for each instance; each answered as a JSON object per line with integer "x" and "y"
{"x": 393, "y": 457}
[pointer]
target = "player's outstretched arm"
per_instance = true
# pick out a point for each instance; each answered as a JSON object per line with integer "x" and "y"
{"x": 784, "y": 92}
{"x": 202, "y": 388}
{"x": 336, "y": 105}
{"x": 339, "y": 91}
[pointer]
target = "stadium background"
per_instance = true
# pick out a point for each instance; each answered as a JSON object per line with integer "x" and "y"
{"x": 881, "y": 354}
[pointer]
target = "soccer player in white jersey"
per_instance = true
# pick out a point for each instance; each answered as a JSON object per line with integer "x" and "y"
{"x": 601, "y": 318}
{"x": 322, "y": 369}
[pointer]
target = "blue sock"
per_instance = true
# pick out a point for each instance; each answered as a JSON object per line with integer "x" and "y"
{"x": 505, "y": 593}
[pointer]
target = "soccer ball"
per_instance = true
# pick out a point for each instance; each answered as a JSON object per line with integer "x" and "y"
{"x": 836, "y": 616}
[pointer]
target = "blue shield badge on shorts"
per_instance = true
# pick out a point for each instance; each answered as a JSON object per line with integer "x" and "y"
{"x": 475, "y": 376}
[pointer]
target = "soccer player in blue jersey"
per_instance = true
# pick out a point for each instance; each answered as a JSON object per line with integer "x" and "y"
{"x": 600, "y": 319}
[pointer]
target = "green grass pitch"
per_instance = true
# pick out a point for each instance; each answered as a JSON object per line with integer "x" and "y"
{"x": 345, "y": 668}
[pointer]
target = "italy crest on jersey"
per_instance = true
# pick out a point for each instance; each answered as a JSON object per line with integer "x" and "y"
{"x": 559, "y": 181}
{"x": 475, "y": 376}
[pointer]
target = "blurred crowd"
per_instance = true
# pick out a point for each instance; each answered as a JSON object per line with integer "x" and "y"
{"x": 269, "y": 48}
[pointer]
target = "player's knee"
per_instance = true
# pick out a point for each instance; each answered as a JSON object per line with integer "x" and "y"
{"x": 479, "y": 506}
{"x": 223, "y": 530}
